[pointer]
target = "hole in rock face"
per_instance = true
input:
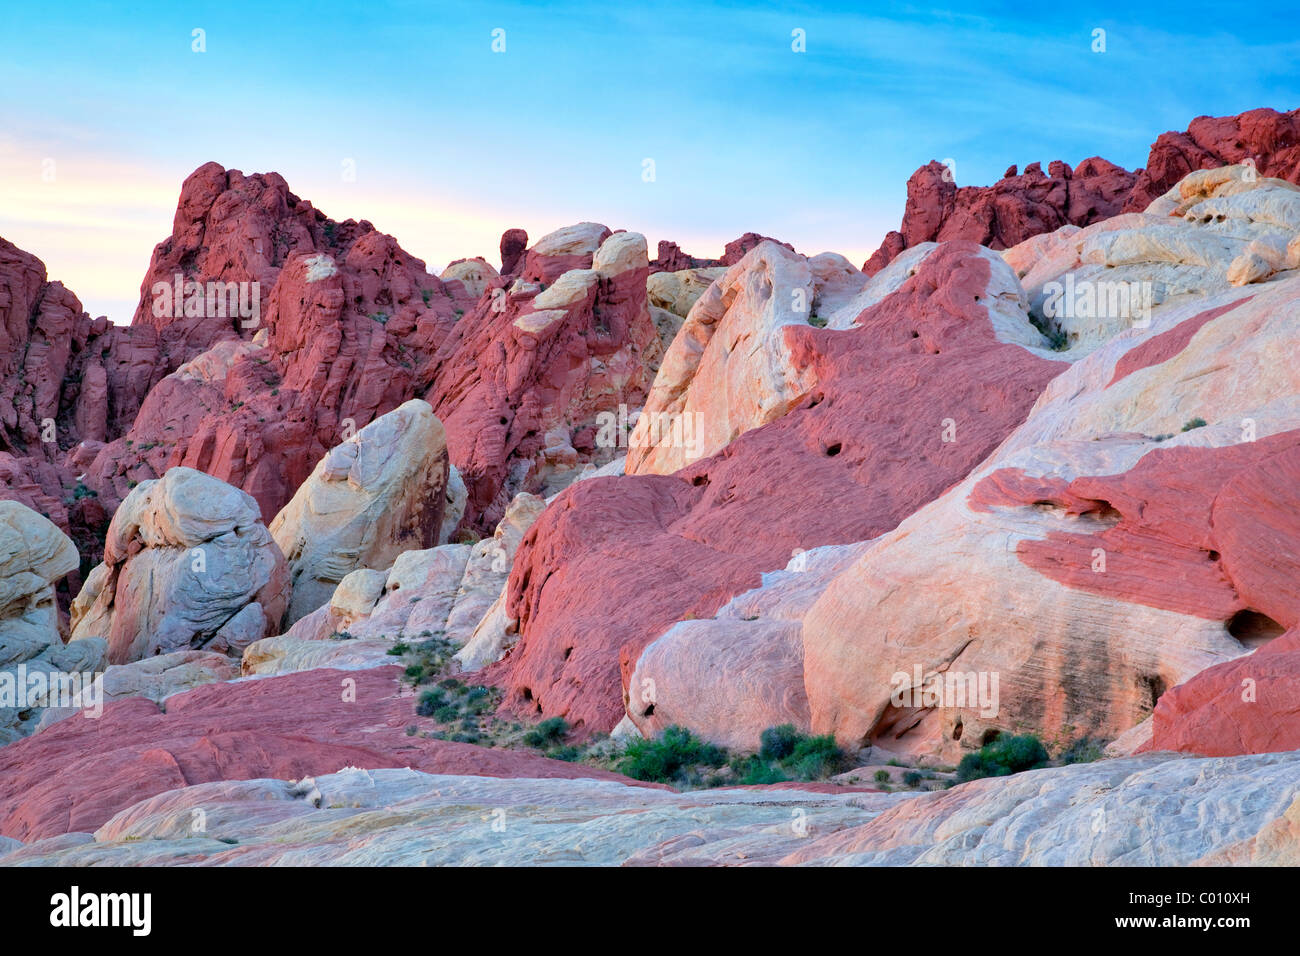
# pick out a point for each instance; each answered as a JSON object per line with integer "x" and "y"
{"x": 1153, "y": 688}
{"x": 1212, "y": 555}
{"x": 700, "y": 480}
{"x": 916, "y": 334}
{"x": 833, "y": 449}
{"x": 567, "y": 652}
{"x": 1253, "y": 629}
{"x": 503, "y": 421}
{"x": 649, "y": 711}
{"x": 1104, "y": 511}
{"x": 989, "y": 736}
{"x": 815, "y": 401}
{"x": 956, "y": 730}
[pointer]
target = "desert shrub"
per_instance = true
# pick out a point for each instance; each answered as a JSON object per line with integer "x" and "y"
{"x": 1194, "y": 423}
{"x": 1083, "y": 750}
{"x": 548, "y": 733}
{"x": 431, "y": 701}
{"x": 426, "y": 660}
{"x": 777, "y": 743}
{"x": 815, "y": 758}
{"x": 479, "y": 701}
{"x": 1003, "y": 756}
{"x": 785, "y": 754}
{"x": 912, "y": 778}
{"x": 753, "y": 770}
{"x": 668, "y": 757}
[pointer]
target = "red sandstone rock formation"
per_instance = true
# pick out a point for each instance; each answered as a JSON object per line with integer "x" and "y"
{"x": 349, "y": 318}
{"x": 672, "y": 258}
{"x": 290, "y": 727}
{"x": 64, "y": 378}
{"x": 1269, "y": 139}
{"x": 1008, "y": 212}
{"x": 513, "y": 244}
{"x": 520, "y": 380}
{"x": 735, "y": 250}
{"x": 1020, "y": 206}
{"x": 614, "y": 561}
{"x": 1246, "y": 706}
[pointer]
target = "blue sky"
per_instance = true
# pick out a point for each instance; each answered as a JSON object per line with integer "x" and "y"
{"x": 453, "y": 143}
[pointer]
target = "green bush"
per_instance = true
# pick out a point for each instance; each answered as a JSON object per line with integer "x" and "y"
{"x": 1194, "y": 423}
{"x": 815, "y": 758}
{"x": 777, "y": 743}
{"x": 676, "y": 751}
{"x": 1083, "y": 750}
{"x": 548, "y": 733}
{"x": 785, "y": 754}
{"x": 1003, "y": 756}
{"x": 753, "y": 771}
{"x": 431, "y": 701}
{"x": 912, "y": 778}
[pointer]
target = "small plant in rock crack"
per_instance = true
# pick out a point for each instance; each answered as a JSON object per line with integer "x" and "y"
{"x": 1057, "y": 340}
{"x": 342, "y": 636}
{"x": 1194, "y": 423}
{"x": 81, "y": 491}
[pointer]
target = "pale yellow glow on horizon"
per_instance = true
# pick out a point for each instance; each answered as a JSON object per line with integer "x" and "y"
{"x": 95, "y": 224}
